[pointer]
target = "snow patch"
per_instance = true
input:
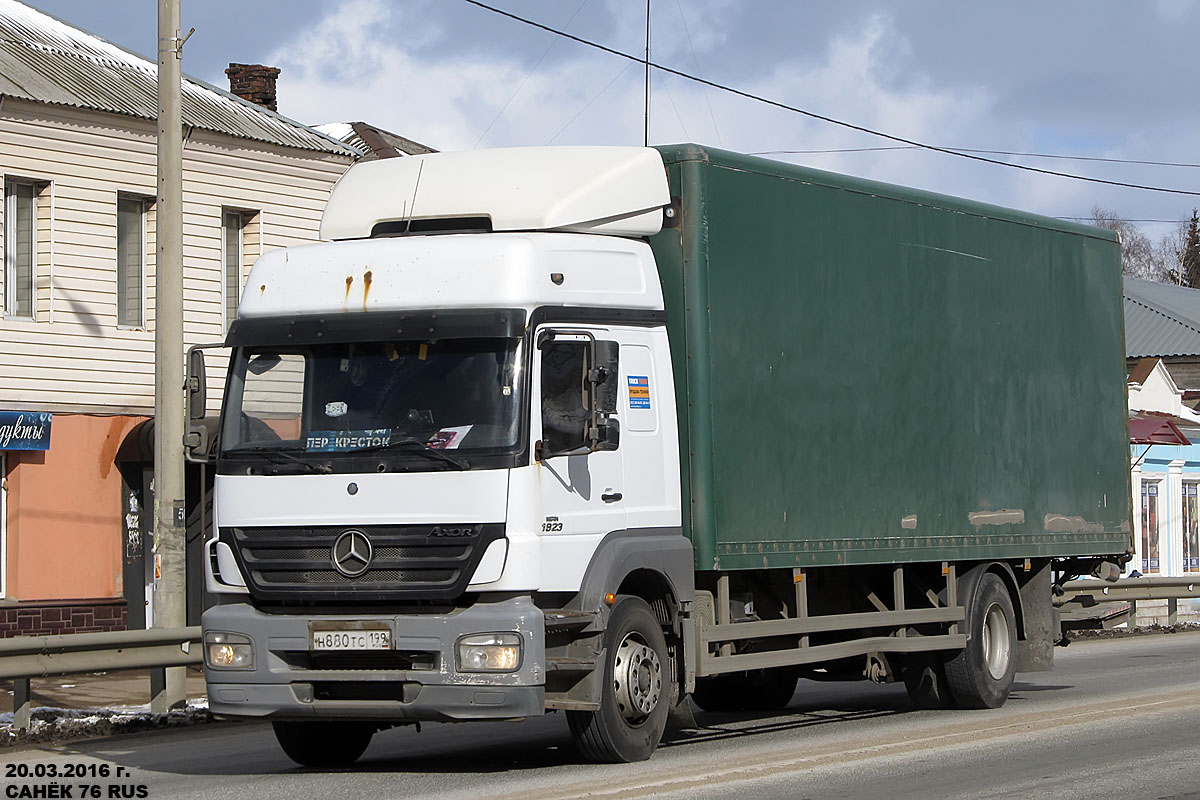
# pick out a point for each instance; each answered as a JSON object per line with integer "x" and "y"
{"x": 49, "y": 724}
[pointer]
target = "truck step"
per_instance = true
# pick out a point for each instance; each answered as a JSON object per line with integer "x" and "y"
{"x": 570, "y": 664}
{"x": 561, "y": 619}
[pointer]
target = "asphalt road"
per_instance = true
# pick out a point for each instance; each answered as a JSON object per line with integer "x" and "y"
{"x": 1117, "y": 718}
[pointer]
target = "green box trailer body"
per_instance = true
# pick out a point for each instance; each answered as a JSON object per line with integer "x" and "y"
{"x": 867, "y": 374}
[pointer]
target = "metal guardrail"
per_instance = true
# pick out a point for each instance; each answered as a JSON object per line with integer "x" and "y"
{"x": 25, "y": 657}
{"x": 1088, "y": 593}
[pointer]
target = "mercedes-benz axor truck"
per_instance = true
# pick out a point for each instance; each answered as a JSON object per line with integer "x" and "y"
{"x": 600, "y": 429}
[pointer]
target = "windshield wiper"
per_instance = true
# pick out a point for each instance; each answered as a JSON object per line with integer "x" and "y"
{"x": 279, "y": 456}
{"x": 426, "y": 450}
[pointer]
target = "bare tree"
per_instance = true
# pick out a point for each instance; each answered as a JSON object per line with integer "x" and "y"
{"x": 1169, "y": 252}
{"x": 1140, "y": 258}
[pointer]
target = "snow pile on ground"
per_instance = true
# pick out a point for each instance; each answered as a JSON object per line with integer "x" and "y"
{"x": 59, "y": 724}
{"x": 1141, "y": 630}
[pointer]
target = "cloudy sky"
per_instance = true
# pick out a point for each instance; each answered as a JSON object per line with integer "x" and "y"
{"x": 1097, "y": 79}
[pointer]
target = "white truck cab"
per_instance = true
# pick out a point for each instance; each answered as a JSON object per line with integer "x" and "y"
{"x": 448, "y": 436}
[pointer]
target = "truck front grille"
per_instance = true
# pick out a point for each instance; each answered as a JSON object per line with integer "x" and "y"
{"x": 396, "y": 576}
{"x": 407, "y": 562}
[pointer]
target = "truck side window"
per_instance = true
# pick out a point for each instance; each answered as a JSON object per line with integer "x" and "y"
{"x": 565, "y": 412}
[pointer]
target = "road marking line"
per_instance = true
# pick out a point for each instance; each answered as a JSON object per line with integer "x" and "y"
{"x": 765, "y": 766}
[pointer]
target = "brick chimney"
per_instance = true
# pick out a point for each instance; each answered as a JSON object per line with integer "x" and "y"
{"x": 254, "y": 82}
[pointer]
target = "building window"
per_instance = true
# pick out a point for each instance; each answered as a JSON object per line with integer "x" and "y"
{"x": 131, "y": 262}
{"x": 20, "y": 223}
{"x": 1150, "y": 559}
{"x": 241, "y": 243}
{"x": 1191, "y": 527}
{"x": 233, "y": 228}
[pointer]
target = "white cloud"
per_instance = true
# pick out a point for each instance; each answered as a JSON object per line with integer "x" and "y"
{"x": 851, "y": 82}
{"x": 415, "y": 70}
{"x": 1173, "y": 10}
{"x": 351, "y": 65}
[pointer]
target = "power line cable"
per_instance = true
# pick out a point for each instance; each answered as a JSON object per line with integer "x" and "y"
{"x": 822, "y": 117}
{"x": 521, "y": 85}
{"x": 594, "y": 99}
{"x": 699, "y": 72}
{"x": 671, "y": 98}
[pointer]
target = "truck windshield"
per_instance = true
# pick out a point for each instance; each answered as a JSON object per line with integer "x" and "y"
{"x": 320, "y": 405}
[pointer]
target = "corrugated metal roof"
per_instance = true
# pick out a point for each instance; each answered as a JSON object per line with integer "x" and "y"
{"x": 373, "y": 141}
{"x": 1155, "y": 430}
{"x": 47, "y": 60}
{"x": 1161, "y": 320}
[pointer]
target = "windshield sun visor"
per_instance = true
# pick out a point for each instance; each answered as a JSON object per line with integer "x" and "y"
{"x": 390, "y": 325}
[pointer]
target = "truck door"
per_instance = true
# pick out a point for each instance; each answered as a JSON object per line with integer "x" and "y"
{"x": 649, "y": 449}
{"x": 581, "y": 492}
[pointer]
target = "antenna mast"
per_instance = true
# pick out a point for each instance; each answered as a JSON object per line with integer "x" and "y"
{"x": 646, "y": 129}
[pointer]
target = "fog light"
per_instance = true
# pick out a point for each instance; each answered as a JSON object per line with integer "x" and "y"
{"x": 489, "y": 652}
{"x": 228, "y": 650}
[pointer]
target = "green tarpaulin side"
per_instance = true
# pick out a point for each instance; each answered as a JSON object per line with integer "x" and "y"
{"x": 871, "y": 374}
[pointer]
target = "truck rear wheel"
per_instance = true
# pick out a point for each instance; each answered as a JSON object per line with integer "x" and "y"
{"x": 634, "y": 704}
{"x": 981, "y": 675}
{"x": 323, "y": 744}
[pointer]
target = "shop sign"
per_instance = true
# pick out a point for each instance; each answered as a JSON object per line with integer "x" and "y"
{"x": 25, "y": 430}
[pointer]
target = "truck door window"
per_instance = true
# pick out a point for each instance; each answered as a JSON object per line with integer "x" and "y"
{"x": 565, "y": 411}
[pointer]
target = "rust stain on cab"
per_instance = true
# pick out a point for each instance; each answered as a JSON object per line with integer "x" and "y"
{"x": 366, "y": 288}
{"x": 349, "y": 283}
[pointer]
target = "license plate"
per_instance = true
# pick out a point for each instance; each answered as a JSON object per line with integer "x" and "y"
{"x": 342, "y": 639}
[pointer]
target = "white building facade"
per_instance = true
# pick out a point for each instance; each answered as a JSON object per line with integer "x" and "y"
{"x": 78, "y": 175}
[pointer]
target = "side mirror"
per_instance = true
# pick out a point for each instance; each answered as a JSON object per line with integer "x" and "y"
{"x": 196, "y": 444}
{"x": 604, "y": 377}
{"x": 199, "y": 436}
{"x": 607, "y": 435}
{"x": 197, "y": 400}
{"x": 604, "y": 433}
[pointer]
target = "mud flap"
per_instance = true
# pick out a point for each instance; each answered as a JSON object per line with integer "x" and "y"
{"x": 680, "y": 717}
{"x": 1035, "y": 653}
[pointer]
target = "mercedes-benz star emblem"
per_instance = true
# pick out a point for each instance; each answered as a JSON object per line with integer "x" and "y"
{"x": 351, "y": 553}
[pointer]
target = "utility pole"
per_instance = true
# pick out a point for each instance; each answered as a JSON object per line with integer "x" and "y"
{"x": 170, "y": 575}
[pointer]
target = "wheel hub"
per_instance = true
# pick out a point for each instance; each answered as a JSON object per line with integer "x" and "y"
{"x": 996, "y": 646}
{"x": 637, "y": 679}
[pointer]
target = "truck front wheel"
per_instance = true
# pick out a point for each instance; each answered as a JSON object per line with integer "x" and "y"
{"x": 634, "y": 704}
{"x": 323, "y": 744}
{"x": 982, "y": 674}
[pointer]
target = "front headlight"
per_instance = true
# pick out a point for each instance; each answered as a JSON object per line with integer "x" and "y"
{"x": 489, "y": 652}
{"x": 228, "y": 650}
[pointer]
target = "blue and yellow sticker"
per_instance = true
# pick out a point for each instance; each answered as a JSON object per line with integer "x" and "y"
{"x": 639, "y": 391}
